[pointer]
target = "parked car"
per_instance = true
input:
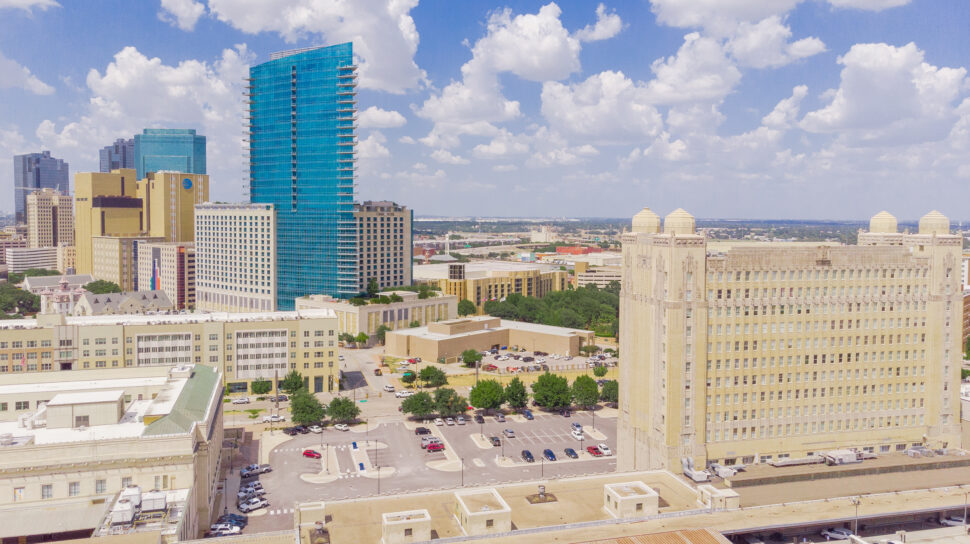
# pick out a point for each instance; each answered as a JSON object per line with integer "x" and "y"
{"x": 253, "y": 487}
{"x": 234, "y": 519}
{"x": 422, "y": 430}
{"x": 500, "y": 418}
{"x": 527, "y": 456}
{"x": 836, "y": 533}
{"x": 389, "y": 388}
{"x": 509, "y": 433}
{"x": 290, "y": 431}
{"x": 449, "y": 421}
{"x": 313, "y": 454}
{"x": 247, "y": 493}
{"x": 254, "y": 470}
{"x": 496, "y": 441}
{"x": 460, "y": 420}
{"x": 571, "y": 453}
{"x": 241, "y": 400}
{"x": 951, "y": 521}
{"x": 576, "y": 426}
{"x": 438, "y": 421}
{"x": 274, "y": 418}
{"x": 528, "y": 414}
{"x": 479, "y": 419}
{"x": 302, "y": 429}
{"x": 594, "y": 451}
{"x": 428, "y": 440}
{"x": 435, "y": 446}
{"x": 547, "y": 453}
{"x": 578, "y": 435}
{"x": 403, "y": 394}
{"x": 253, "y": 504}
{"x": 316, "y": 429}
{"x": 342, "y": 427}
{"x": 224, "y": 529}
{"x": 605, "y": 449}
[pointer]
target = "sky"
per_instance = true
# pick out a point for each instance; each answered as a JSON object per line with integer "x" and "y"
{"x": 769, "y": 109}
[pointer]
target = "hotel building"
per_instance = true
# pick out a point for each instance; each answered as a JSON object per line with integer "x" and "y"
{"x": 770, "y": 351}
{"x": 170, "y": 267}
{"x": 383, "y": 244}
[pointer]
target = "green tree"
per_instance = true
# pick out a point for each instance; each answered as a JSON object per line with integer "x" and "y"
{"x": 372, "y": 287}
{"x": 585, "y": 391}
{"x": 419, "y": 405}
{"x": 408, "y": 378}
{"x": 515, "y": 394}
{"x": 343, "y": 410}
{"x": 292, "y": 383}
{"x": 599, "y": 371}
{"x": 102, "y": 287}
{"x": 345, "y": 337}
{"x": 471, "y": 357}
{"x": 414, "y": 324}
{"x": 589, "y": 349}
{"x": 610, "y": 392}
{"x": 306, "y": 409}
{"x": 261, "y": 387}
{"x": 382, "y": 333}
{"x": 487, "y": 395}
{"x": 424, "y": 292}
{"x": 449, "y": 403}
{"x": 466, "y": 307}
{"x": 31, "y": 272}
{"x": 433, "y": 376}
{"x": 613, "y": 287}
{"x": 552, "y": 391}
{"x": 17, "y": 301}
{"x": 358, "y": 301}
{"x": 394, "y": 297}
{"x": 361, "y": 338}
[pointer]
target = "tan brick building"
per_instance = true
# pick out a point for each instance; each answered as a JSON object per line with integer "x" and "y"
{"x": 481, "y": 286}
{"x": 50, "y": 219}
{"x": 773, "y": 351}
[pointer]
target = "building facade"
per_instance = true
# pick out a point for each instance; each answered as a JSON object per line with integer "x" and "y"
{"x": 384, "y": 249}
{"x": 775, "y": 351}
{"x": 235, "y": 257}
{"x": 116, "y": 259}
{"x": 498, "y": 284}
{"x": 368, "y": 318}
{"x": 50, "y": 219}
{"x": 20, "y": 259}
{"x": 10, "y": 243}
{"x": 169, "y": 149}
{"x": 302, "y": 157}
{"x": 170, "y": 267}
{"x": 243, "y": 347}
{"x": 601, "y": 277}
{"x": 118, "y": 155}
{"x": 169, "y": 200}
{"x": 66, "y": 259}
{"x": 34, "y": 171}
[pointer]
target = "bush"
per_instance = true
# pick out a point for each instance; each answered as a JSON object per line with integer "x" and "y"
{"x": 599, "y": 371}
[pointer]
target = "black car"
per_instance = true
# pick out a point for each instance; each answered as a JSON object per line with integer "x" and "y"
{"x": 528, "y": 359}
{"x": 571, "y": 453}
{"x": 528, "y": 414}
{"x": 547, "y": 453}
{"x": 479, "y": 418}
{"x": 422, "y": 430}
{"x": 291, "y": 431}
{"x": 234, "y": 519}
{"x": 565, "y": 412}
{"x": 527, "y": 456}
{"x": 496, "y": 441}
{"x": 302, "y": 429}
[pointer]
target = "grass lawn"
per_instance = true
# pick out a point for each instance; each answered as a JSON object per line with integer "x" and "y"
{"x": 253, "y": 412}
{"x": 468, "y": 380}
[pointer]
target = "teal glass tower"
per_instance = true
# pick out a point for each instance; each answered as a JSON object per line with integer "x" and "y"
{"x": 302, "y": 159}
{"x": 173, "y": 149}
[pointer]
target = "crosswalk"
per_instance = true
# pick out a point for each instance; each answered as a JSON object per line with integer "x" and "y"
{"x": 340, "y": 447}
{"x": 351, "y": 475}
{"x": 279, "y": 511}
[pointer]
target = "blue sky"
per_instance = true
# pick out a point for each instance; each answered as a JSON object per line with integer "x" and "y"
{"x": 815, "y": 109}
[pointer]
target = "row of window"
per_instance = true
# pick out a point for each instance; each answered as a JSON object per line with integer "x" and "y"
{"x": 794, "y": 429}
{"x": 816, "y": 275}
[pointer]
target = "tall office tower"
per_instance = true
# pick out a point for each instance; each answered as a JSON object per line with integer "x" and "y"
{"x": 748, "y": 353}
{"x": 235, "y": 248}
{"x": 302, "y": 155}
{"x": 169, "y": 266}
{"x": 169, "y": 200}
{"x": 172, "y": 149}
{"x": 50, "y": 219}
{"x": 105, "y": 204}
{"x": 36, "y": 171}
{"x": 383, "y": 244}
{"x": 120, "y": 154}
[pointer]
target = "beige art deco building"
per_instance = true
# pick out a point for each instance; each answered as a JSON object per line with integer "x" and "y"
{"x": 481, "y": 286}
{"x": 353, "y": 319}
{"x": 383, "y": 243}
{"x": 50, "y": 219}
{"x": 772, "y": 351}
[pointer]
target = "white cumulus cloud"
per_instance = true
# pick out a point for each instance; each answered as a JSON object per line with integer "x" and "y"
{"x": 15, "y": 76}
{"x": 765, "y": 44}
{"x": 700, "y": 71}
{"x": 28, "y": 5}
{"x": 607, "y": 25}
{"x": 375, "y": 117}
{"x": 444, "y": 156}
{"x": 870, "y": 5}
{"x": 181, "y": 13}
{"x": 372, "y": 146}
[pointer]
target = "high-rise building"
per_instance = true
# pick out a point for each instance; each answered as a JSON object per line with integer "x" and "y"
{"x": 36, "y": 171}
{"x": 170, "y": 149}
{"x": 235, "y": 245}
{"x": 169, "y": 266}
{"x": 751, "y": 353}
{"x": 302, "y": 155}
{"x": 383, "y": 244}
{"x": 169, "y": 200}
{"x": 116, "y": 258}
{"x": 50, "y": 219}
{"x": 118, "y": 155}
{"x": 20, "y": 259}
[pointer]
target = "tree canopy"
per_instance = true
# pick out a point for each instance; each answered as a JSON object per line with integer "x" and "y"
{"x": 419, "y": 405}
{"x": 610, "y": 392}
{"x": 382, "y": 333}
{"x": 261, "y": 387}
{"x": 102, "y": 287}
{"x": 292, "y": 383}
{"x": 306, "y": 409}
{"x": 552, "y": 391}
{"x": 585, "y": 391}
{"x": 361, "y": 338}
{"x": 583, "y": 308}
{"x": 372, "y": 287}
{"x": 15, "y": 300}
{"x": 470, "y": 357}
{"x": 343, "y": 410}
{"x": 487, "y": 395}
{"x": 466, "y": 307}
{"x": 515, "y": 394}
{"x": 599, "y": 371}
{"x": 449, "y": 403}
{"x": 433, "y": 376}
{"x": 30, "y": 272}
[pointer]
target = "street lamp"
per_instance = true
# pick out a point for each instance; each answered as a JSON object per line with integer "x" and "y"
{"x": 856, "y": 502}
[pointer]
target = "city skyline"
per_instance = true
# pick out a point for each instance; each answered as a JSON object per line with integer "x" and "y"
{"x": 789, "y": 100}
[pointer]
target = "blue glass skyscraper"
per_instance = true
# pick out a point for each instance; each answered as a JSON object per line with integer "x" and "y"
{"x": 35, "y": 171}
{"x": 302, "y": 146}
{"x": 174, "y": 149}
{"x": 120, "y": 154}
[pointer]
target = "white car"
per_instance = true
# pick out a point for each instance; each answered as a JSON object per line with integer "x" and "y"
{"x": 438, "y": 421}
{"x": 241, "y": 400}
{"x": 403, "y": 394}
{"x": 342, "y": 427}
{"x": 229, "y": 530}
{"x": 340, "y": 357}
{"x": 253, "y": 504}
{"x": 837, "y": 533}
{"x": 219, "y": 527}
{"x": 316, "y": 429}
{"x": 389, "y": 388}
{"x": 952, "y": 521}
{"x": 273, "y": 419}
{"x": 605, "y": 449}
{"x": 540, "y": 360}
{"x": 450, "y": 421}
{"x": 246, "y": 493}
{"x": 577, "y": 434}
{"x": 461, "y": 420}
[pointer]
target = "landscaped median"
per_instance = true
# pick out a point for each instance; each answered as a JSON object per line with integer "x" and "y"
{"x": 329, "y": 467}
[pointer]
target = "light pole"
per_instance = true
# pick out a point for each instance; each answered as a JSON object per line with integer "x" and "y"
{"x": 462, "y": 459}
{"x": 326, "y": 451}
{"x": 378, "y": 479}
{"x": 856, "y": 502}
{"x": 542, "y": 466}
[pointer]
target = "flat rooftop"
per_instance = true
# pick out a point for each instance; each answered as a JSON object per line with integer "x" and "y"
{"x": 175, "y": 319}
{"x": 484, "y": 500}
{"x": 86, "y": 397}
{"x": 630, "y": 489}
{"x": 81, "y": 385}
{"x": 477, "y": 269}
{"x": 423, "y": 332}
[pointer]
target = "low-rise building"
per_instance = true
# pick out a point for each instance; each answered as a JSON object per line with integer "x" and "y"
{"x": 124, "y": 303}
{"x": 72, "y": 447}
{"x": 20, "y": 259}
{"x": 494, "y": 280}
{"x": 600, "y": 276}
{"x": 36, "y": 284}
{"x": 10, "y": 242}
{"x": 446, "y": 340}
{"x": 368, "y": 318}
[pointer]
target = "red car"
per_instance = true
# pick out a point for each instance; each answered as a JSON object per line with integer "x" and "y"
{"x": 435, "y": 446}
{"x": 312, "y": 454}
{"x": 594, "y": 451}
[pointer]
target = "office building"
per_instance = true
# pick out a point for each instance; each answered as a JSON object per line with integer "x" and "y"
{"x": 170, "y": 267}
{"x": 600, "y": 276}
{"x": 116, "y": 259}
{"x": 35, "y": 171}
{"x": 66, "y": 259}
{"x": 368, "y": 318}
{"x": 169, "y": 200}
{"x": 235, "y": 252}
{"x": 20, "y": 259}
{"x": 50, "y": 219}
{"x": 384, "y": 247}
{"x": 10, "y": 243}
{"x": 173, "y": 150}
{"x": 73, "y": 444}
{"x": 482, "y": 282}
{"x": 771, "y": 351}
{"x": 118, "y": 155}
{"x": 302, "y": 159}
{"x": 242, "y": 347}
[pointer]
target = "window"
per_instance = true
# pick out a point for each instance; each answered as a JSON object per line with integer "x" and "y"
{"x": 22, "y": 405}
{"x": 46, "y": 491}
{"x": 74, "y": 489}
{"x": 126, "y": 481}
{"x": 408, "y": 531}
{"x": 81, "y": 421}
{"x": 100, "y": 486}
{"x": 489, "y": 522}
{"x": 18, "y": 494}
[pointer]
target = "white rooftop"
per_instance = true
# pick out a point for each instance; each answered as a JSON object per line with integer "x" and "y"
{"x": 168, "y": 319}
{"x": 503, "y": 324}
{"x": 80, "y": 385}
{"x": 86, "y": 397}
{"x": 477, "y": 269}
